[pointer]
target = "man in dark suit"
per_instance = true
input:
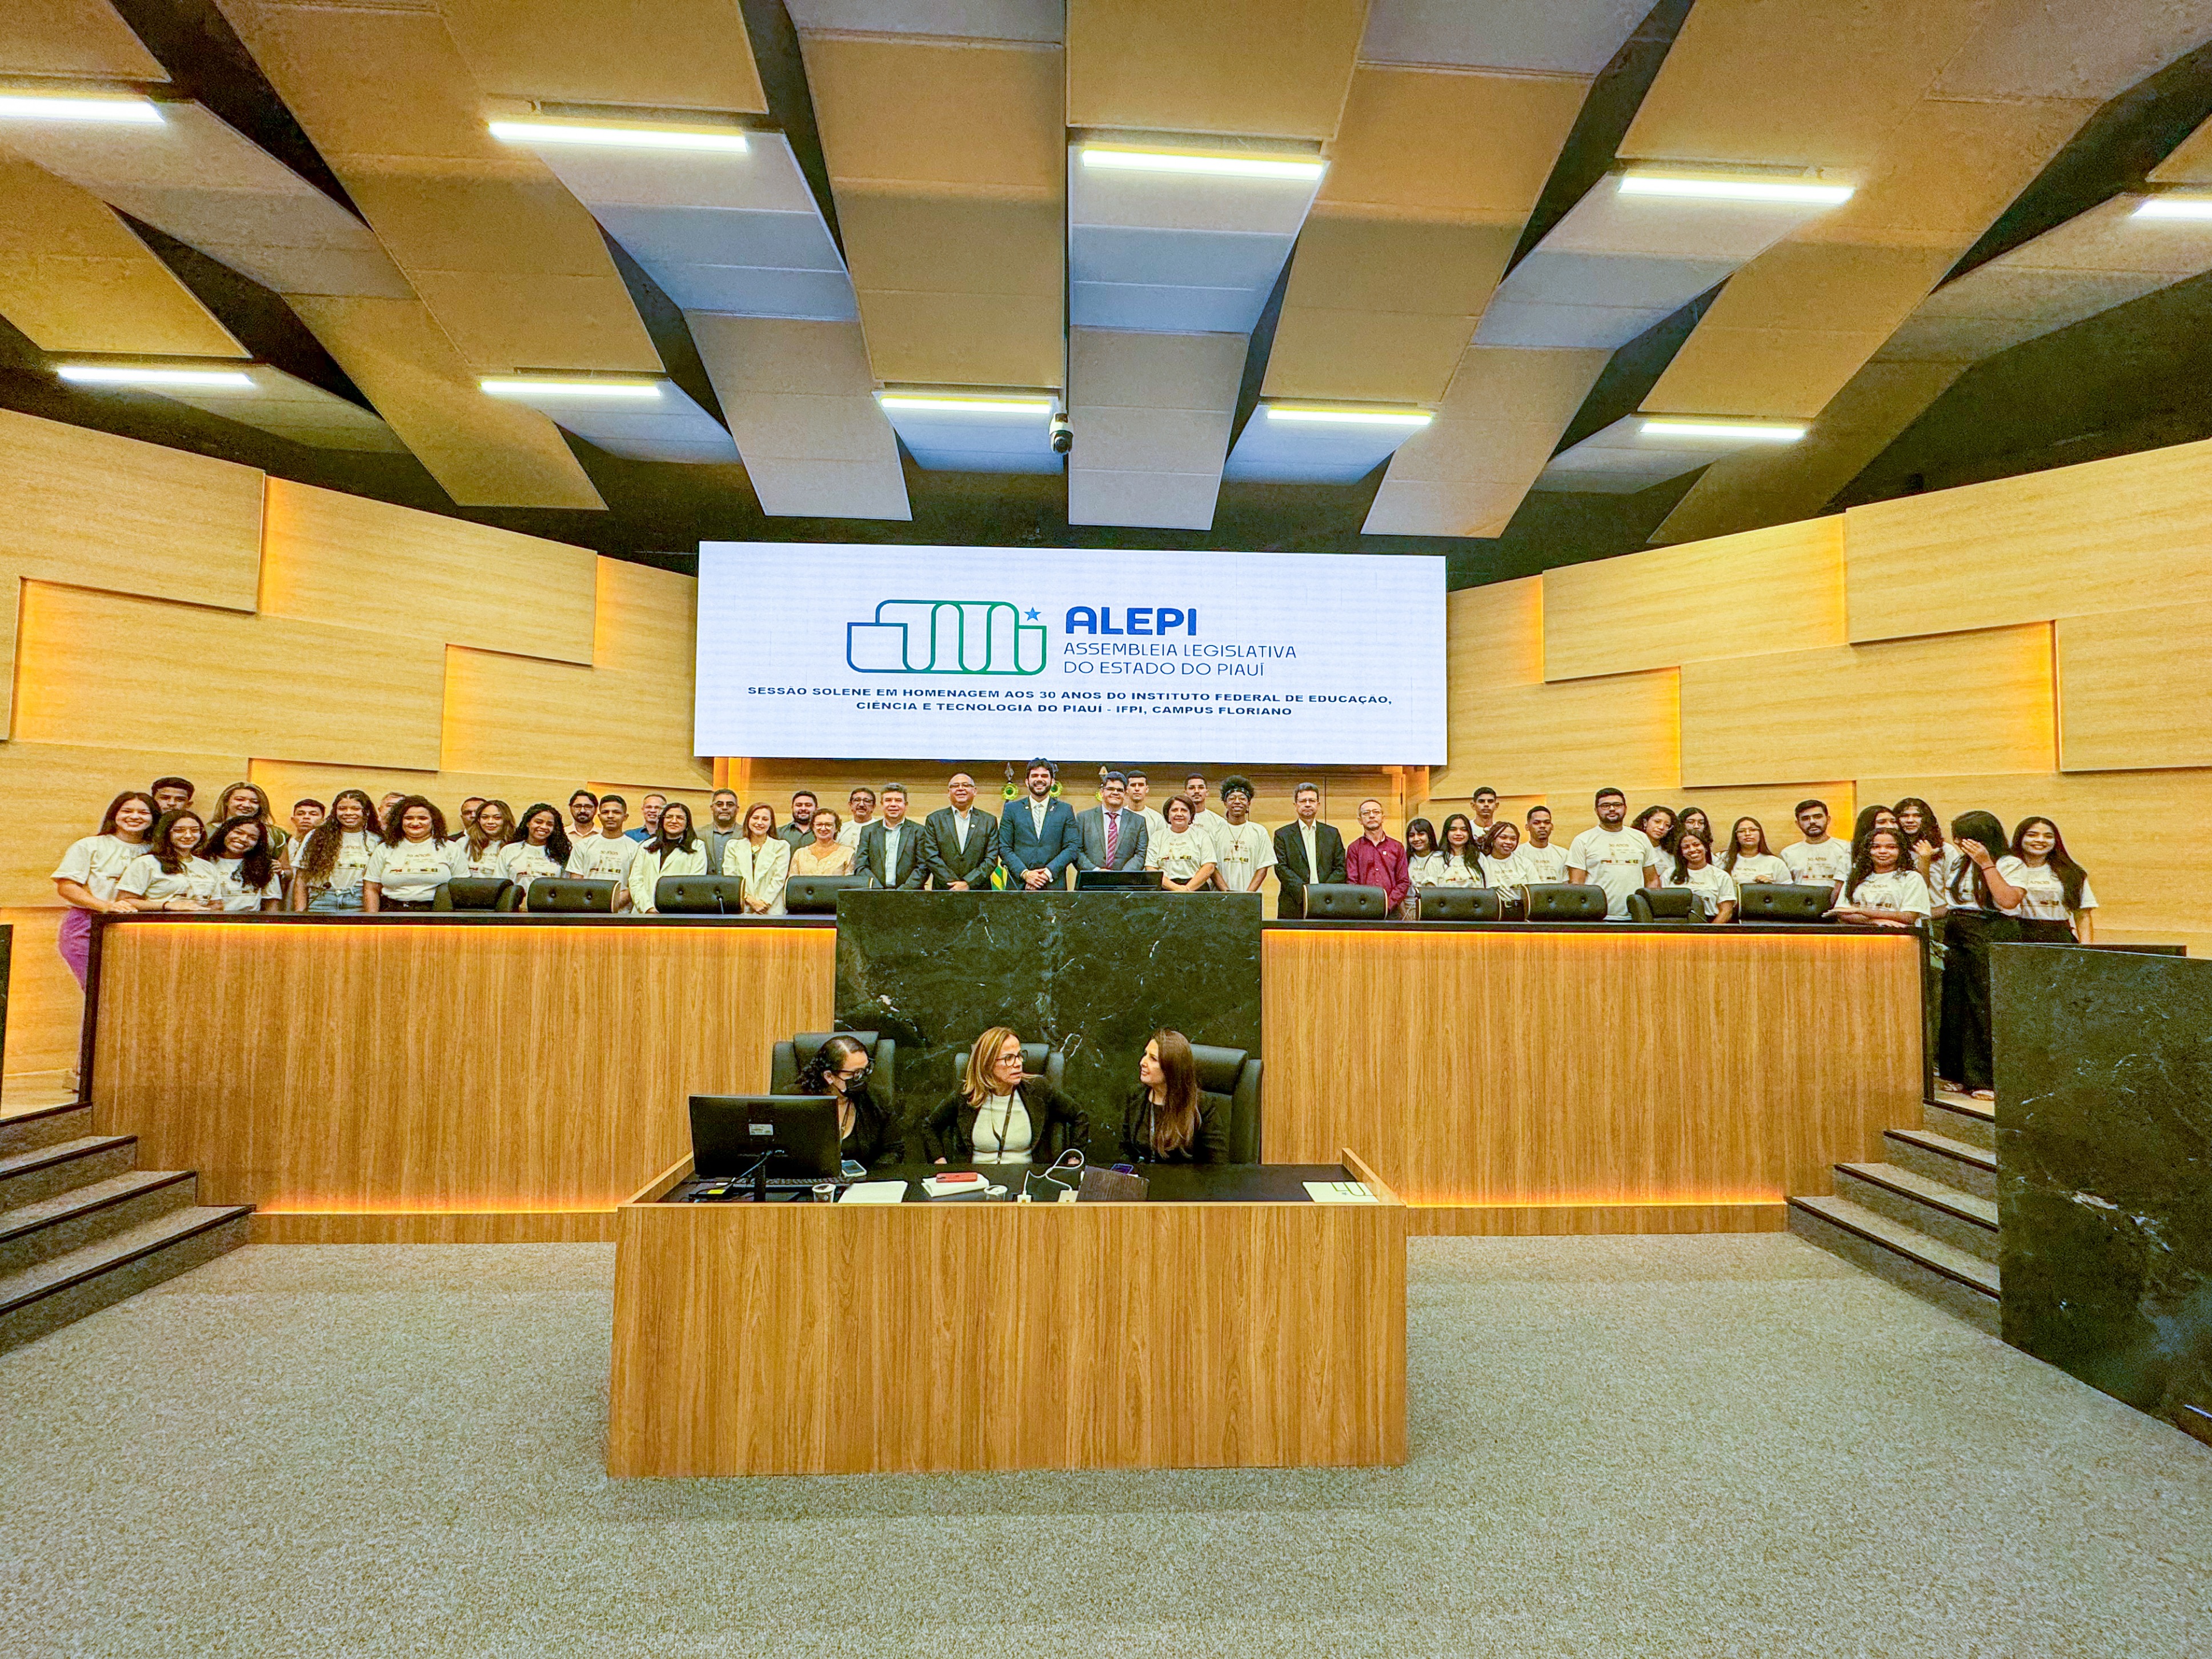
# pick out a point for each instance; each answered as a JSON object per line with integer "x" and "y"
{"x": 1111, "y": 836}
{"x": 1307, "y": 852}
{"x": 1037, "y": 837}
{"x": 960, "y": 844}
{"x": 889, "y": 852}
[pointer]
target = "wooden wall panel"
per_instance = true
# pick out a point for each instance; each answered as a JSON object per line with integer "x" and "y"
{"x": 1961, "y": 702}
{"x": 2135, "y": 689}
{"x": 56, "y": 792}
{"x": 1495, "y": 636}
{"x": 354, "y": 562}
{"x": 287, "y": 781}
{"x": 1763, "y": 591}
{"x": 104, "y": 669}
{"x": 2072, "y": 542}
{"x": 645, "y": 622}
{"x": 1571, "y": 736}
{"x": 45, "y": 1010}
{"x": 517, "y": 714}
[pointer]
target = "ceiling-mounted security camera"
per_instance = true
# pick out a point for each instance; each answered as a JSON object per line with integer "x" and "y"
{"x": 1063, "y": 435}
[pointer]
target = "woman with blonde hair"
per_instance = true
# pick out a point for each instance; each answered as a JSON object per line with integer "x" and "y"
{"x": 999, "y": 1116}
{"x": 1166, "y": 1119}
{"x": 250, "y": 800}
{"x": 485, "y": 834}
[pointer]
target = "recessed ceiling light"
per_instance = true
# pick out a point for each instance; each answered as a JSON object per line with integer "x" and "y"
{"x": 563, "y": 132}
{"x": 1721, "y": 431}
{"x": 201, "y": 380}
{"x": 1691, "y": 187}
{"x": 1353, "y": 417}
{"x": 2174, "y": 207}
{"x": 1221, "y": 167}
{"x": 571, "y": 389}
{"x": 1044, "y": 406}
{"x": 33, "y": 107}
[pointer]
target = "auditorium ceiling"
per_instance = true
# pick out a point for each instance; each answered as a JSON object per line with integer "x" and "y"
{"x": 1522, "y": 282}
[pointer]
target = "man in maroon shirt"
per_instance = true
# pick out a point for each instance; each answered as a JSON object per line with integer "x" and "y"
{"x": 1374, "y": 859}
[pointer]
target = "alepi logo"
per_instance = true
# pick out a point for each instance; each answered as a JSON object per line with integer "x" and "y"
{"x": 977, "y": 637}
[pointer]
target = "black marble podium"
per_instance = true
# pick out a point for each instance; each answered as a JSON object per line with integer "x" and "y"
{"x": 2104, "y": 1078}
{"x": 1091, "y": 974}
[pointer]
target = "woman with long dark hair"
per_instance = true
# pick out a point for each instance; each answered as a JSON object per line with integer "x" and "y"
{"x": 1166, "y": 1119}
{"x": 1883, "y": 888}
{"x": 2054, "y": 897}
{"x": 245, "y": 876}
{"x": 484, "y": 836}
{"x": 1501, "y": 859}
{"x": 1749, "y": 858}
{"x": 91, "y": 873}
{"x": 332, "y": 863}
{"x": 171, "y": 875}
{"x": 1694, "y": 869}
{"x": 412, "y": 867}
{"x": 251, "y": 800}
{"x": 1458, "y": 862}
{"x": 1423, "y": 852}
{"x": 1655, "y": 823}
{"x": 1923, "y": 836}
{"x": 674, "y": 849}
{"x": 1871, "y": 817}
{"x": 540, "y": 847}
{"x": 1978, "y": 901}
{"x": 840, "y": 1068}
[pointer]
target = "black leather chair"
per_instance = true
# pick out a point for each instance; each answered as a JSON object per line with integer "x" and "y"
{"x": 784, "y": 1063}
{"x": 1038, "y": 1061}
{"x": 1563, "y": 901}
{"x": 479, "y": 893}
{"x": 817, "y": 896}
{"x": 1663, "y": 904}
{"x": 1230, "y": 1080}
{"x": 1763, "y": 901}
{"x": 1340, "y": 901}
{"x": 699, "y": 895}
{"x": 1469, "y": 904}
{"x": 571, "y": 893}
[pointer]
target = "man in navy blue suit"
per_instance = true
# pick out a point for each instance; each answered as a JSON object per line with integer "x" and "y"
{"x": 1037, "y": 835}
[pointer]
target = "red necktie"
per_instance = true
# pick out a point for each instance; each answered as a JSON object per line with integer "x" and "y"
{"x": 1113, "y": 828}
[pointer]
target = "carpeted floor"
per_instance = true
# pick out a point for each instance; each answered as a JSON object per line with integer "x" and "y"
{"x": 1673, "y": 1447}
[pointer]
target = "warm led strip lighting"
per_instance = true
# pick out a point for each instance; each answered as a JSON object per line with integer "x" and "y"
{"x": 967, "y": 405}
{"x": 1353, "y": 417}
{"x": 1692, "y": 188}
{"x": 1220, "y": 166}
{"x": 2175, "y": 207}
{"x": 1722, "y": 430}
{"x": 569, "y": 389}
{"x": 25, "y": 106}
{"x": 552, "y": 132}
{"x": 203, "y": 380}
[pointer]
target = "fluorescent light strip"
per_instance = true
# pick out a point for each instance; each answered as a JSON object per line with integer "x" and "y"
{"x": 136, "y": 111}
{"x": 547, "y": 132}
{"x": 1733, "y": 190}
{"x": 1353, "y": 417}
{"x": 203, "y": 380}
{"x": 1224, "y": 167}
{"x": 967, "y": 405}
{"x": 526, "y": 389}
{"x": 1721, "y": 431}
{"x": 2175, "y": 207}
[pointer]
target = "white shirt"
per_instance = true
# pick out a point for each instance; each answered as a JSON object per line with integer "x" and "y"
{"x": 1954, "y": 882}
{"x": 601, "y": 858}
{"x": 2044, "y": 895}
{"x": 1310, "y": 835}
{"x": 1210, "y": 821}
{"x": 764, "y": 870}
{"x": 1714, "y": 887}
{"x": 1037, "y": 810}
{"x": 960, "y": 822}
{"x": 1442, "y": 870}
{"x": 849, "y": 836}
{"x": 485, "y": 863}
{"x": 1003, "y": 1132}
{"x": 1179, "y": 856}
{"x": 232, "y": 892}
{"x": 145, "y": 878}
{"x": 1543, "y": 864}
{"x": 1900, "y": 889}
{"x": 522, "y": 863}
{"x": 1616, "y": 860}
{"x": 1764, "y": 867}
{"x": 642, "y": 879}
{"x": 1829, "y": 861}
{"x": 1514, "y": 870}
{"x": 1155, "y": 825}
{"x": 97, "y": 863}
{"x": 1241, "y": 852}
{"x": 413, "y": 870}
{"x": 892, "y": 833}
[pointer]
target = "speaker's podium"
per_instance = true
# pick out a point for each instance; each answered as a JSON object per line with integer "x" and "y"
{"x": 1229, "y": 1320}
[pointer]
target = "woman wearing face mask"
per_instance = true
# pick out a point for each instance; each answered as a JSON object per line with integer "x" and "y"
{"x": 332, "y": 863}
{"x": 999, "y": 1115}
{"x": 1694, "y": 869}
{"x": 91, "y": 871}
{"x": 1166, "y": 1120}
{"x": 540, "y": 849}
{"x": 840, "y": 1068}
{"x": 2056, "y": 902}
{"x": 674, "y": 849}
{"x": 170, "y": 875}
{"x": 1883, "y": 888}
{"x": 246, "y": 878}
{"x": 1979, "y": 901}
{"x": 414, "y": 862}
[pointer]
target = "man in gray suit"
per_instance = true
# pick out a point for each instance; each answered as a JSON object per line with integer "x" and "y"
{"x": 1113, "y": 836}
{"x": 889, "y": 854}
{"x": 960, "y": 844}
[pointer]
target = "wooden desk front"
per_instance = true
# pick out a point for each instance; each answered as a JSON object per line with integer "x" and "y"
{"x": 788, "y": 1339}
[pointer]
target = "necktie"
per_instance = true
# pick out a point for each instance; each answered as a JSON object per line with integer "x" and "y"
{"x": 1113, "y": 835}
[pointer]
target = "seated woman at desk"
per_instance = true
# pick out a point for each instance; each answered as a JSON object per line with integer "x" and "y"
{"x": 1167, "y": 1119}
{"x": 840, "y": 1068}
{"x": 998, "y": 1115}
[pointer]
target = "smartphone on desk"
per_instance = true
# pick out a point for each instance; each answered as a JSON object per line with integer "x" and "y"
{"x": 852, "y": 1171}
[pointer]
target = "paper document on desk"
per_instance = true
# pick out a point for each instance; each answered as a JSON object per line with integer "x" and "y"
{"x": 1341, "y": 1192}
{"x": 874, "y": 1192}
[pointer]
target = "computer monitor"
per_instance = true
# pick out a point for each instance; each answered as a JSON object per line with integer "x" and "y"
{"x": 729, "y": 1133}
{"x": 1094, "y": 881}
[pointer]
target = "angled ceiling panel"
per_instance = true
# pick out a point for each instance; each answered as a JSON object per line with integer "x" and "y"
{"x": 1629, "y": 456}
{"x": 958, "y": 20}
{"x": 1563, "y": 37}
{"x": 642, "y": 54}
{"x": 1272, "y": 69}
{"x": 1151, "y": 414}
{"x": 286, "y": 407}
{"x": 75, "y": 39}
{"x": 651, "y": 421}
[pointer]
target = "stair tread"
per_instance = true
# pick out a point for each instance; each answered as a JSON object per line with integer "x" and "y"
{"x": 38, "y": 1158}
{"x": 1929, "y": 1139}
{"x": 1916, "y": 1246}
{"x": 28, "y": 1283}
{"x": 1970, "y": 1207}
{"x": 1966, "y": 1103}
{"x": 78, "y": 1201}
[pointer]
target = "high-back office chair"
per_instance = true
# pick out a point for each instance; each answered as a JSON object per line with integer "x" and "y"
{"x": 571, "y": 893}
{"x": 1230, "y": 1080}
{"x": 478, "y": 893}
{"x": 1663, "y": 904}
{"x": 788, "y": 1057}
{"x": 1778, "y": 901}
{"x": 699, "y": 895}
{"x": 1342, "y": 901}
{"x": 1470, "y": 904}
{"x": 1038, "y": 1061}
{"x": 1563, "y": 901}
{"x": 817, "y": 896}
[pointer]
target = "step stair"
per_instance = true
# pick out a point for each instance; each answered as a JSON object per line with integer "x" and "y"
{"x": 81, "y": 1227}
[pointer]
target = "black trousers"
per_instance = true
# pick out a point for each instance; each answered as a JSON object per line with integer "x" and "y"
{"x": 2047, "y": 933}
{"x": 1962, "y": 1048}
